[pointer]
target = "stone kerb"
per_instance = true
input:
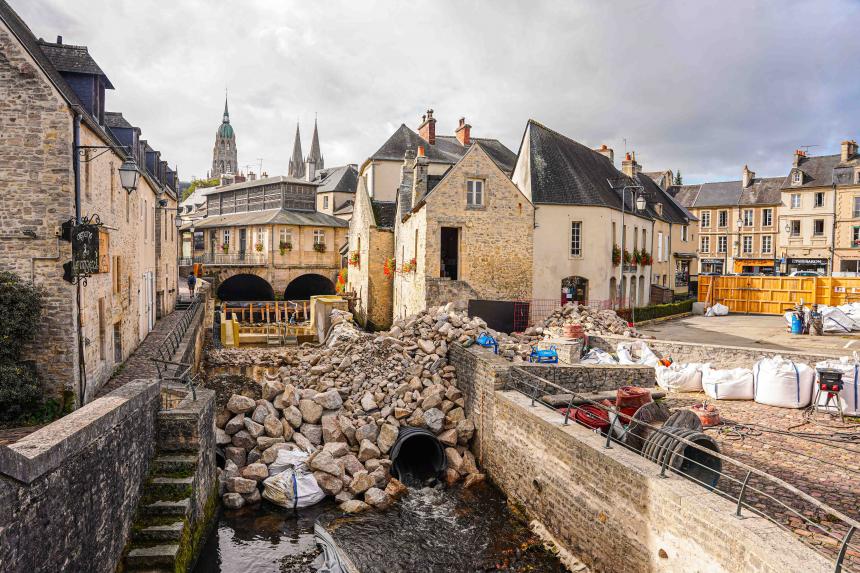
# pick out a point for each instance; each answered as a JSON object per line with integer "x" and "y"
{"x": 48, "y": 448}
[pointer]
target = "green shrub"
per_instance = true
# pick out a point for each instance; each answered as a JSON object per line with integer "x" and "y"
{"x": 22, "y": 309}
{"x": 20, "y": 392}
{"x": 651, "y": 312}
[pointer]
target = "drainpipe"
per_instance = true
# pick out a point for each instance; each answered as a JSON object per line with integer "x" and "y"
{"x": 833, "y": 230}
{"x": 76, "y": 165}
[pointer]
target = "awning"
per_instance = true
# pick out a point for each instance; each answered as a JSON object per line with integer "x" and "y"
{"x": 685, "y": 255}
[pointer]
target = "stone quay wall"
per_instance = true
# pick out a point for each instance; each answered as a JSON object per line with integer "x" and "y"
{"x": 608, "y": 507}
{"x": 717, "y": 356}
{"x": 68, "y": 492}
{"x": 588, "y": 378}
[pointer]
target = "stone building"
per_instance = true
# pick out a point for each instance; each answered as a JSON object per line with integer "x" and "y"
{"x": 224, "y": 154}
{"x": 371, "y": 236}
{"x": 581, "y": 218}
{"x": 265, "y": 236}
{"x": 847, "y": 239}
{"x": 53, "y": 98}
{"x": 464, "y": 235}
{"x": 336, "y": 190}
{"x": 738, "y": 223}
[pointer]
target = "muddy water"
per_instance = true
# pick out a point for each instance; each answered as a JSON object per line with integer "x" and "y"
{"x": 432, "y": 531}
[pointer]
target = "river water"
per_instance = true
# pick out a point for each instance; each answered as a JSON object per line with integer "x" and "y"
{"x": 427, "y": 531}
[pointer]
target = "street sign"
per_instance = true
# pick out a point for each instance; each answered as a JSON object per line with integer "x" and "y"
{"x": 86, "y": 240}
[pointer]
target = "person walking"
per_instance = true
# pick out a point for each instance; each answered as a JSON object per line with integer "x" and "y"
{"x": 192, "y": 282}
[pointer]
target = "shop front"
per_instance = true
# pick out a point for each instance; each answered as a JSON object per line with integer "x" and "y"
{"x": 713, "y": 266}
{"x": 815, "y": 264}
{"x": 755, "y": 266}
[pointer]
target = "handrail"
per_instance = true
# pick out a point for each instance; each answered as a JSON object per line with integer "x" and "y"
{"x": 543, "y": 385}
{"x": 168, "y": 348}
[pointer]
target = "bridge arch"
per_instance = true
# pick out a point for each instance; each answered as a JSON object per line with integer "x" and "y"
{"x": 305, "y": 286}
{"x": 245, "y": 287}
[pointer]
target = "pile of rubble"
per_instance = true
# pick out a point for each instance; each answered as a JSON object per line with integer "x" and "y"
{"x": 344, "y": 403}
{"x": 593, "y": 321}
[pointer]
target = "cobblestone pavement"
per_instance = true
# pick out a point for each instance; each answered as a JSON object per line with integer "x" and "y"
{"x": 814, "y": 463}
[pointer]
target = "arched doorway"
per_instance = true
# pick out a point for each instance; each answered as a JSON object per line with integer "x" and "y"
{"x": 574, "y": 289}
{"x": 245, "y": 287}
{"x": 643, "y": 294}
{"x": 306, "y": 286}
{"x": 613, "y": 291}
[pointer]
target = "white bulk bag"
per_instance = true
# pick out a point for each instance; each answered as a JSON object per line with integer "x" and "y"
{"x": 784, "y": 383}
{"x": 835, "y": 320}
{"x": 636, "y": 353}
{"x": 717, "y": 310}
{"x": 734, "y": 384}
{"x": 850, "y": 380}
{"x": 295, "y": 459}
{"x": 597, "y": 356}
{"x": 680, "y": 377}
{"x": 293, "y": 489}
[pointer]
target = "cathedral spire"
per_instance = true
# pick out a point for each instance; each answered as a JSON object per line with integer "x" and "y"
{"x": 297, "y": 164}
{"x": 315, "y": 156}
{"x": 226, "y": 113}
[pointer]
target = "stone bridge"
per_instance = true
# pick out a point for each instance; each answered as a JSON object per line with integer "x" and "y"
{"x": 263, "y": 282}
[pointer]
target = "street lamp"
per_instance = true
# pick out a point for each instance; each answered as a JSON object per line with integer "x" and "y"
{"x": 640, "y": 202}
{"x": 129, "y": 175}
{"x": 637, "y": 197}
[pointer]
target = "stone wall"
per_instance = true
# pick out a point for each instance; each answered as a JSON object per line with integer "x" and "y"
{"x": 587, "y": 377}
{"x": 717, "y": 356}
{"x": 443, "y": 290}
{"x": 609, "y": 508}
{"x": 68, "y": 492}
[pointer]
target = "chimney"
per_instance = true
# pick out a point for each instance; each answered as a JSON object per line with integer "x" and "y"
{"x": 629, "y": 166}
{"x": 427, "y": 129}
{"x": 310, "y": 169}
{"x": 59, "y": 39}
{"x": 408, "y": 164}
{"x": 419, "y": 177}
{"x": 800, "y": 154}
{"x": 463, "y": 133}
{"x": 849, "y": 150}
{"x": 748, "y": 177}
{"x": 264, "y": 175}
{"x": 607, "y": 152}
{"x": 252, "y": 176}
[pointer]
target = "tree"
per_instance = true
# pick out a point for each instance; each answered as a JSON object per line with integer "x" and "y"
{"x": 678, "y": 179}
{"x": 213, "y": 182}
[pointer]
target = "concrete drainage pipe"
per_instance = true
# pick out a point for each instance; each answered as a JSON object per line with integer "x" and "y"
{"x": 417, "y": 456}
{"x": 690, "y": 462}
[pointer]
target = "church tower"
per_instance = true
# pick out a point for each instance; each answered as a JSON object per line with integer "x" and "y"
{"x": 224, "y": 156}
{"x": 297, "y": 165}
{"x": 315, "y": 160}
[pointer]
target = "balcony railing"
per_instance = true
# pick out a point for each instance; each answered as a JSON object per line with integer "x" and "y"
{"x": 237, "y": 259}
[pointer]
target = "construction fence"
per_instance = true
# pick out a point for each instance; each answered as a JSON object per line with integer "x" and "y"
{"x": 776, "y": 295}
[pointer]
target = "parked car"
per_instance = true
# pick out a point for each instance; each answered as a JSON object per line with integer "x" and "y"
{"x": 806, "y": 274}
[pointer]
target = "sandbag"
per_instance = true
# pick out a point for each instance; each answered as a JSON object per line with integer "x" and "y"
{"x": 680, "y": 377}
{"x": 848, "y": 396}
{"x": 292, "y": 489}
{"x": 597, "y": 356}
{"x": 717, "y": 310}
{"x": 636, "y": 353}
{"x": 734, "y": 384}
{"x": 783, "y": 383}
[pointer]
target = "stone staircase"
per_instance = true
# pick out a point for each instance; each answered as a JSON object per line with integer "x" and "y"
{"x": 175, "y": 506}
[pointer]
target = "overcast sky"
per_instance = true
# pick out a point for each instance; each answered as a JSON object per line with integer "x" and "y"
{"x": 703, "y": 87}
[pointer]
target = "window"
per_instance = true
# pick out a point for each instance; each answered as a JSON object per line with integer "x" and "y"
{"x": 722, "y": 218}
{"x": 748, "y": 217}
{"x": 112, "y": 185}
{"x": 856, "y": 213}
{"x": 819, "y": 199}
{"x": 226, "y": 237}
{"x": 117, "y": 274}
{"x": 635, "y": 238}
{"x": 706, "y": 244}
{"x": 474, "y": 192}
{"x": 767, "y": 217}
{"x": 722, "y": 244}
{"x": 576, "y": 238}
{"x": 319, "y": 237}
{"x": 325, "y": 202}
{"x": 660, "y": 246}
{"x": 145, "y": 222}
{"x": 685, "y": 233}
{"x": 796, "y": 177}
{"x": 748, "y": 242}
{"x": 795, "y": 200}
{"x": 794, "y": 228}
{"x": 127, "y": 207}
{"x": 286, "y": 236}
{"x": 855, "y": 237}
{"x": 766, "y": 244}
{"x": 818, "y": 227}
{"x": 102, "y": 330}
{"x": 705, "y": 221}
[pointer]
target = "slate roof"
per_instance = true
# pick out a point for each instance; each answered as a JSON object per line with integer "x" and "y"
{"x": 74, "y": 59}
{"x": 384, "y": 213}
{"x": 345, "y": 207}
{"x": 343, "y": 179}
{"x": 447, "y": 149}
{"x": 116, "y": 120}
{"x": 269, "y": 217}
{"x": 762, "y": 191}
{"x": 256, "y": 182}
{"x": 820, "y": 171}
{"x": 672, "y": 212}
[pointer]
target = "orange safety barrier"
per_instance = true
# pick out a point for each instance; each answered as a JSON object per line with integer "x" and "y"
{"x": 776, "y": 295}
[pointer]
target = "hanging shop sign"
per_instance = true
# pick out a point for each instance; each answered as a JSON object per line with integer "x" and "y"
{"x": 86, "y": 240}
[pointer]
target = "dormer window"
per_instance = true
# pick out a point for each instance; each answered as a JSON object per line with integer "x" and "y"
{"x": 797, "y": 177}
{"x": 857, "y": 177}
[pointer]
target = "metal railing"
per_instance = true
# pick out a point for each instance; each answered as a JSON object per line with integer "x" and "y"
{"x": 241, "y": 259}
{"x": 168, "y": 369}
{"x": 749, "y": 488}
